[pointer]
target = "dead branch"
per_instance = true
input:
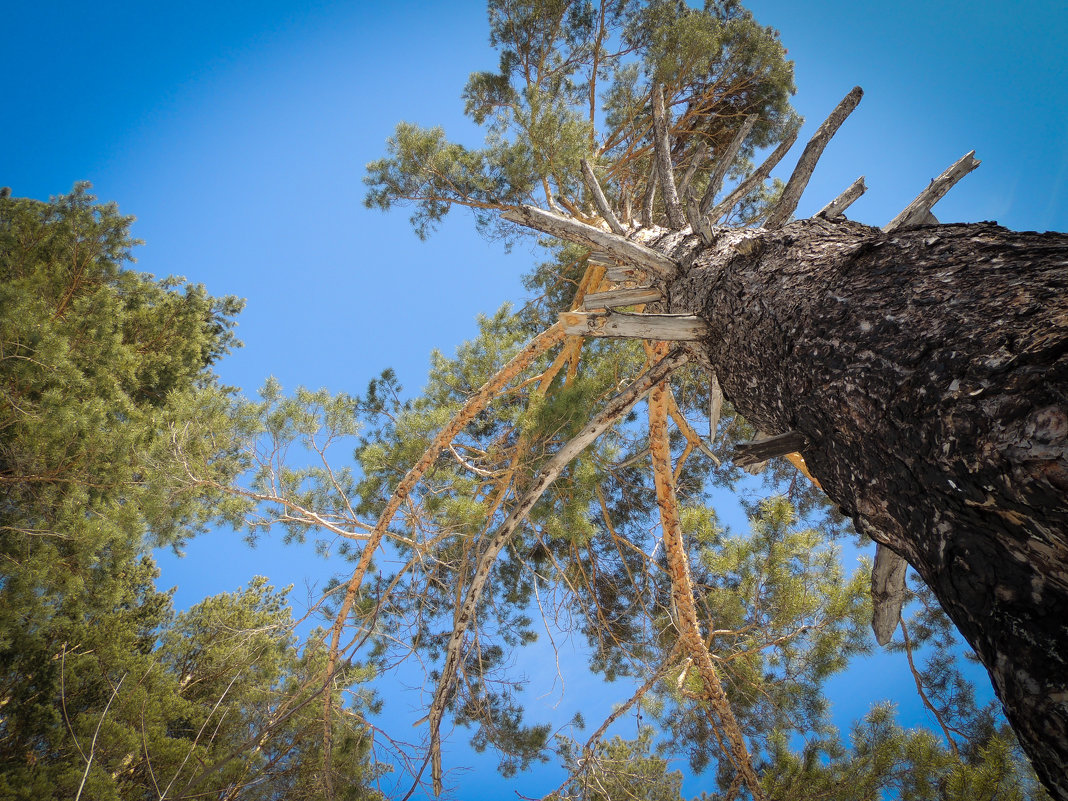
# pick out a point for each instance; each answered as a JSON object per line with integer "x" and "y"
{"x": 660, "y": 327}
{"x": 887, "y": 592}
{"x": 662, "y": 152}
{"x": 791, "y": 195}
{"x": 760, "y": 450}
{"x": 915, "y": 213}
{"x": 599, "y": 200}
{"x": 837, "y": 207}
{"x": 755, "y": 178}
{"x": 614, "y": 245}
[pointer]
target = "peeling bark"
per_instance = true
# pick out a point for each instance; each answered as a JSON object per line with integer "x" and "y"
{"x": 928, "y": 371}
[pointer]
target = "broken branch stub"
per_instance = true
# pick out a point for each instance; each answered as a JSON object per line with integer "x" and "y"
{"x": 887, "y": 592}
{"x": 837, "y": 207}
{"x": 760, "y": 450}
{"x": 614, "y": 245}
{"x": 791, "y": 195}
{"x": 661, "y": 327}
{"x": 916, "y": 212}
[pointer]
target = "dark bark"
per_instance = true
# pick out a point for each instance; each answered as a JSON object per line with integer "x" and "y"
{"x": 928, "y": 371}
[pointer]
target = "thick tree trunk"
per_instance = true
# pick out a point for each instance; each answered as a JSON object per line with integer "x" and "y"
{"x": 928, "y": 371}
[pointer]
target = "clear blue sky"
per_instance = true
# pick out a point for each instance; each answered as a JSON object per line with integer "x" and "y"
{"x": 237, "y": 133}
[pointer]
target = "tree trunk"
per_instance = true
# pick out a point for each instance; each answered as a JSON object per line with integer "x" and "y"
{"x": 928, "y": 371}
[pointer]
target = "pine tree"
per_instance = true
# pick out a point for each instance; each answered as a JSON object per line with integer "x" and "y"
{"x": 108, "y": 395}
{"x": 520, "y": 479}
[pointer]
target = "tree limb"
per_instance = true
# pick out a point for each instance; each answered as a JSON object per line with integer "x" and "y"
{"x": 915, "y": 213}
{"x": 791, "y": 195}
{"x": 615, "y": 409}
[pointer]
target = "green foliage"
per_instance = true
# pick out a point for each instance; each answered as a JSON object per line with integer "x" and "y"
{"x": 116, "y": 437}
{"x": 573, "y": 82}
{"x": 618, "y": 769}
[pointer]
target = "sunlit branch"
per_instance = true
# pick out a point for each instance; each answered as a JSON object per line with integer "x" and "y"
{"x": 613, "y": 411}
{"x": 837, "y": 207}
{"x": 662, "y": 153}
{"x": 791, "y": 195}
{"x": 682, "y": 589}
{"x": 916, "y": 212}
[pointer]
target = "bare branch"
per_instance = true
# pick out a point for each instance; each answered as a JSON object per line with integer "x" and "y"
{"x": 650, "y": 195}
{"x": 724, "y": 162}
{"x": 695, "y": 162}
{"x": 599, "y": 200}
{"x": 754, "y": 179}
{"x": 715, "y": 406}
{"x": 622, "y": 297}
{"x": 662, "y": 151}
{"x": 915, "y": 213}
{"x": 616, "y": 246}
{"x": 791, "y": 195}
{"x": 837, "y": 207}
{"x": 662, "y": 327}
{"x": 699, "y": 223}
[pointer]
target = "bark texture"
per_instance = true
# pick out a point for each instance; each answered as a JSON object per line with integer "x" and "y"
{"x": 928, "y": 371}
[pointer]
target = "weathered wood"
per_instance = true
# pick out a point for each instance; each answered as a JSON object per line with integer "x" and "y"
{"x": 662, "y": 327}
{"x": 837, "y": 207}
{"x": 614, "y": 245}
{"x": 649, "y": 197}
{"x": 915, "y": 213}
{"x": 602, "y": 259}
{"x": 695, "y": 162}
{"x": 599, "y": 200}
{"x": 887, "y": 592}
{"x": 715, "y": 406}
{"x": 662, "y": 153}
{"x": 755, "y": 178}
{"x": 698, "y": 222}
{"x": 620, "y": 275}
{"x": 622, "y": 297}
{"x": 791, "y": 194}
{"x": 724, "y": 162}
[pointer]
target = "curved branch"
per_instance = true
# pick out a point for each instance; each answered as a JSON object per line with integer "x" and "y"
{"x": 616, "y": 408}
{"x": 538, "y": 345}
{"x": 682, "y": 590}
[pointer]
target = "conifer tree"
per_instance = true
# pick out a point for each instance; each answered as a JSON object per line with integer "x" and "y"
{"x": 558, "y": 465}
{"x": 105, "y": 379}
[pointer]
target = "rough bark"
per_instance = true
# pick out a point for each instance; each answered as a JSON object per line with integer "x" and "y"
{"x": 928, "y": 371}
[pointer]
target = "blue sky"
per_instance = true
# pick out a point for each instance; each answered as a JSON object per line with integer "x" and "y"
{"x": 237, "y": 133}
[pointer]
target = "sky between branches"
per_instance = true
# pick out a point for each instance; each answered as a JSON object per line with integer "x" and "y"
{"x": 237, "y": 133}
